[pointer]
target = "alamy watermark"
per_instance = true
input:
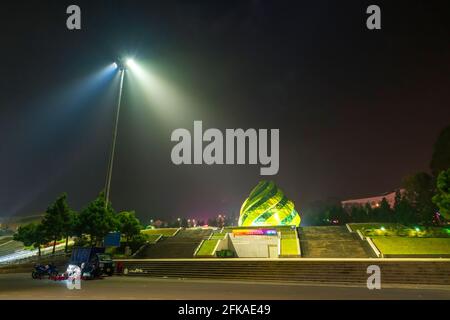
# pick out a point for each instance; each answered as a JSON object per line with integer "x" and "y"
{"x": 73, "y": 22}
{"x": 373, "y": 22}
{"x": 73, "y": 280}
{"x": 241, "y": 147}
{"x": 374, "y": 280}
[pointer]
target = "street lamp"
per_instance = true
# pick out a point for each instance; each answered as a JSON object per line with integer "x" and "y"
{"x": 122, "y": 66}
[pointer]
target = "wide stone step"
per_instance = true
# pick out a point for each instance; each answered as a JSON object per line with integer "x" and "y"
{"x": 333, "y": 249}
{"x": 297, "y": 271}
{"x": 182, "y": 245}
{"x": 332, "y": 242}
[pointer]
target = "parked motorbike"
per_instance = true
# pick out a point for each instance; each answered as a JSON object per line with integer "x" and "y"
{"x": 41, "y": 270}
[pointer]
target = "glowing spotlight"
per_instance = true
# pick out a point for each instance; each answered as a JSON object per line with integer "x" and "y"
{"x": 115, "y": 66}
{"x": 137, "y": 69}
{"x": 121, "y": 64}
{"x": 130, "y": 63}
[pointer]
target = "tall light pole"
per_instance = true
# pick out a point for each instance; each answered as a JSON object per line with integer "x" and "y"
{"x": 121, "y": 67}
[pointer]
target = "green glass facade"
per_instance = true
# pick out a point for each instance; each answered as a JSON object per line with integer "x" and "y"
{"x": 268, "y": 206}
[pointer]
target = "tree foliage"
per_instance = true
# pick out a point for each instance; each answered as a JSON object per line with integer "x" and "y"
{"x": 128, "y": 225}
{"x": 97, "y": 220}
{"x": 440, "y": 160}
{"x": 442, "y": 197}
{"x": 32, "y": 234}
{"x": 419, "y": 191}
{"x": 403, "y": 211}
{"x": 58, "y": 221}
{"x": 383, "y": 212}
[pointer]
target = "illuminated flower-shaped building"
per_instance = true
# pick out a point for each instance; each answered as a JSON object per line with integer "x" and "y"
{"x": 268, "y": 206}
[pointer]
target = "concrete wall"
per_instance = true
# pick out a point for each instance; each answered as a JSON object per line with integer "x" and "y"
{"x": 224, "y": 244}
{"x": 251, "y": 246}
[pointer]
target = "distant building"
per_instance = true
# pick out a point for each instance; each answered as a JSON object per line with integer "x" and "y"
{"x": 373, "y": 201}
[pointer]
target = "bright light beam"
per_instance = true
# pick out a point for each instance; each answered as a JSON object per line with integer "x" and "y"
{"x": 130, "y": 63}
{"x": 166, "y": 99}
{"x": 51, "y": 120}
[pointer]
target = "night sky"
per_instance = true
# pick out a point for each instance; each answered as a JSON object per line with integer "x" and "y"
{"x": 357, "y": 109}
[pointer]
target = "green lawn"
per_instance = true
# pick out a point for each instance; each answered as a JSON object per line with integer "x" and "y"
{"x": 373, "y": 225}
{"x": 207, "y": 248}
{"x": 399, "y": 230}
{"x": 288, "y": 234}
{"x": 218, "y": 236}
{"x": 166, "y": 232}
{"x": 289, "y": 247}
{"x": 411, "y": 246}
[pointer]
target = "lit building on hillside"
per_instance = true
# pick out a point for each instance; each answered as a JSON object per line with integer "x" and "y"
{"x": 373, "y": 201}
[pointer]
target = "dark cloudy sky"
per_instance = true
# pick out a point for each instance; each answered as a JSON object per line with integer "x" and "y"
{"x": 357, "y": 109}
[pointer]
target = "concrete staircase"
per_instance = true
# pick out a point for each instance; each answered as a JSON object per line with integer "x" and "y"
{"x": 299, "y": 270}
{"x": 332, "y": 242}
{"x": 182, "y": 245}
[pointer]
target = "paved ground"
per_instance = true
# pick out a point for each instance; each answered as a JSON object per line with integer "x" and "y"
{"x": 21, "y": 286}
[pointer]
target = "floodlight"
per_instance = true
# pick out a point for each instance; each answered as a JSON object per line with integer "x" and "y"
{"x": 130, "y": 62}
